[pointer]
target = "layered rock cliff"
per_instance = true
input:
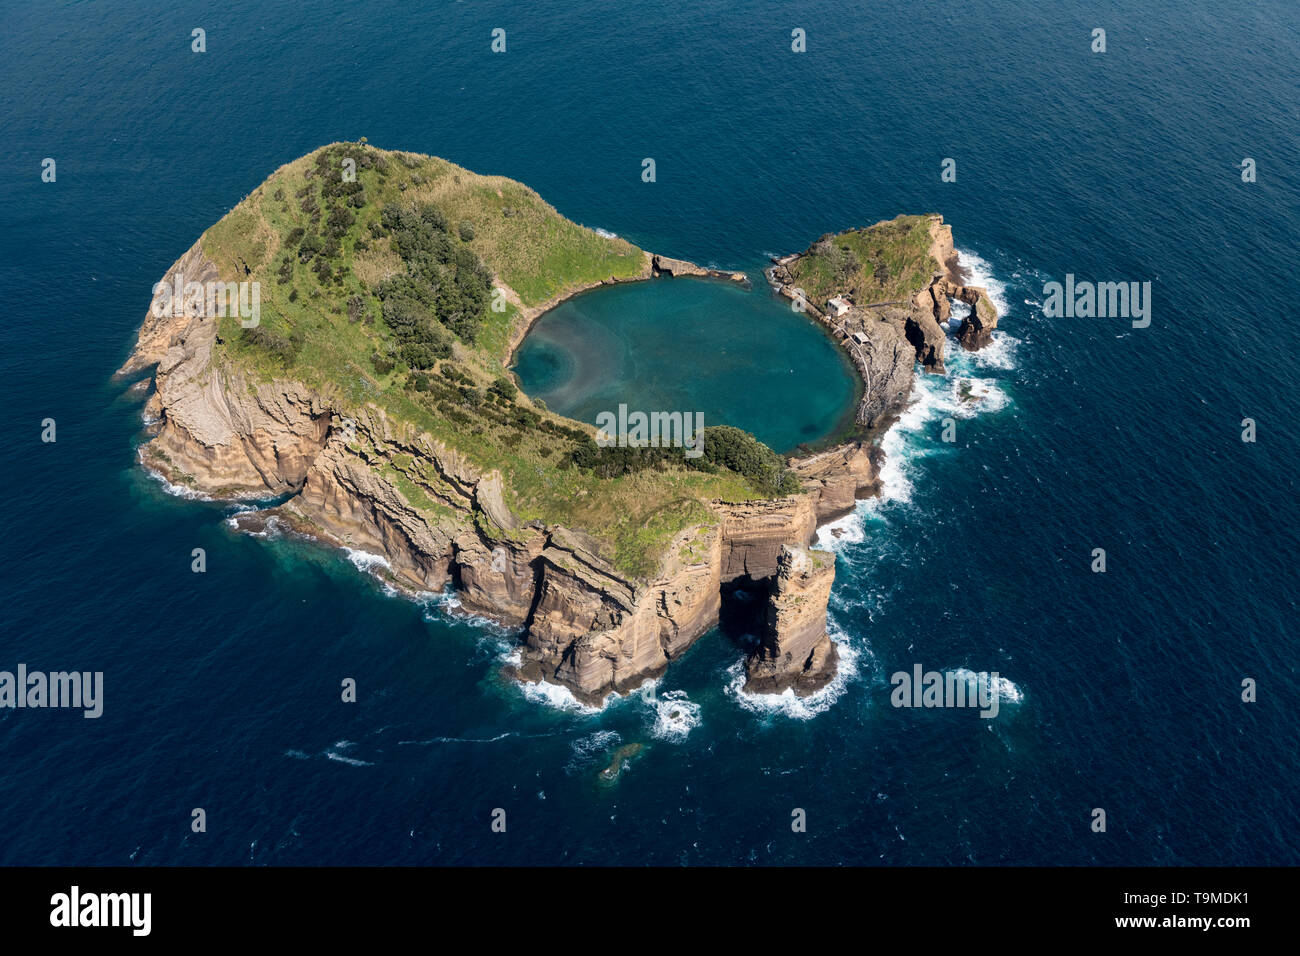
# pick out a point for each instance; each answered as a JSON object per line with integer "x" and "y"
{"x": 351, "y": 479}
{"x": 886, "y": 339}
{"x": 357, "y": 473}
{"x": 795, "y": 650}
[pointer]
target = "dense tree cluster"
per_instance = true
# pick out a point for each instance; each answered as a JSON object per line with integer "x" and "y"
{"x": 723, "y": 447}
{"x": 445, "y": 282}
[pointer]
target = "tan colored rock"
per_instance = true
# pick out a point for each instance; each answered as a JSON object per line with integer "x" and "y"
{"x": 158, "y": 332}
{"x": 976, "y": 329}
{"x": 928, "y": 338}
{"x": 795, "y": 650}
{"x": 754, "y": 532}
{"x": 662, "y": 265}
{"x": 596, "y": 632}
{"x": 838, "y": 477}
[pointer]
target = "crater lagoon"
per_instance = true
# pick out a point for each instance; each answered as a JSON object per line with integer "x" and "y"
{"x": 737, "y": 356}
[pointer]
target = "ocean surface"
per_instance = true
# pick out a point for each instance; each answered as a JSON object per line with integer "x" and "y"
{"x": 1120, "y": 690}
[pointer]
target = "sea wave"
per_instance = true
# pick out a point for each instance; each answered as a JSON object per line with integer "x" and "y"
{"x": 588, "y": 749}
{"x": 559, "y": 697}
{"x": 1005, "y": 689}
{"x": 178, "y": 491}
{"x": 457, "y": 740}
{"x": 272, "y": 528}
{"x": 788, "y": 704}
{"x": 981, "y": 274}
{"x": 350, "y": 761}
{"x": 675, "y": 715}
{"x": 366, "y": 560}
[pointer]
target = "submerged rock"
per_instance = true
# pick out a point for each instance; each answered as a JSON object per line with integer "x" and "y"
{"x": 617, "y": 763}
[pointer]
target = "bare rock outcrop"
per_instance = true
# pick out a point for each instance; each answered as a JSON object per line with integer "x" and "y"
{"x": 163, "y": 326}
{"x": 928, "y": 338}
{"x": 877, "y": 340}
{"x": 364, "y": 481}
{"x": 838, "y": 477}
{"x": 976, "y": 330}
{"x": 754, "y": 532}
{"x": 662, "y": 265}
{"x": 595, "y": 631}
{"x": 795, "y": 650}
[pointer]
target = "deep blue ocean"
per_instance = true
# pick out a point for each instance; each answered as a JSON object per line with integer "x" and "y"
{"x": 1123, "y": 688}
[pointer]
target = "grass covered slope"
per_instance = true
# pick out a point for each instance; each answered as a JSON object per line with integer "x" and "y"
{"x": 399, "y": 281}
{"x": 887, "y": 262}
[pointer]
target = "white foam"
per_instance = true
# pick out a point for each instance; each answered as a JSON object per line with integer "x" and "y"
{"x": 788, "y": 704}
{"x": 999, "y": 354}
{"x": 274, "y": 527}
{"x": 365, "y": 560}
{"x": 605, "y": 233}
{"x": 675, "y": 714}
{"x": 1005, "y": 689}
{"x": 179, "y": 491}
{"x": 558, "y": 697}
{"x": 586, "y": 750}
{"x": 960, "y": 394}
{"x": 350, "y": 761}
{"x": 595, "y": 743}
{"x": 850, "y": 529}
{"x": 457, "y": 740}
{"x": 981, "y": 274}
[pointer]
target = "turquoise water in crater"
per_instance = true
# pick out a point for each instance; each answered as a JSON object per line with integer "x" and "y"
{"x": 737, "y": 356}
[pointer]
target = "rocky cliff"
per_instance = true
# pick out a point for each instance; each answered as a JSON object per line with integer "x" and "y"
{"x": 351, "y": 480}
{"x": 356, "y": 473}
{"x": 885, "y": 340}
{"x": 795, "y": 650}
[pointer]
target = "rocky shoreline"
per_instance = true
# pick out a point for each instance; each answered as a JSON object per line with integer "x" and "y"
{"x": 884, "y": 339}
{"x": 585, "y": 625}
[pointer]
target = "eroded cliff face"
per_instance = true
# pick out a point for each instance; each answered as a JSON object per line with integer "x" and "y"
{"x": 886, "y": 340}
{"x": 976, "y": 330}
{"x": 595, "y": 631}
{"x": 220, "y": 433}
{"x": 837, "y": 478}
{"x": 795, "y": 650}
{"x": 351, "y": 480}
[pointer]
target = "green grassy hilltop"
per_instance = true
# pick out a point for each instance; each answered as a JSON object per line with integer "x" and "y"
{"x": 401, "y": 281}
{"x": 887, "y": 262}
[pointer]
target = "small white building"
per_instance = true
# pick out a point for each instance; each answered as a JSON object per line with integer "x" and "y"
{"x": 837, "y": 306}
{"x": 860, "y": 338}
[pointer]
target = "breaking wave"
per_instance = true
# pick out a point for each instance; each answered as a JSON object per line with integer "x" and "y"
{"x": 1005, "y": 689}
{"x": 789, "y": 704}
{"x": 675, "y": 715}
